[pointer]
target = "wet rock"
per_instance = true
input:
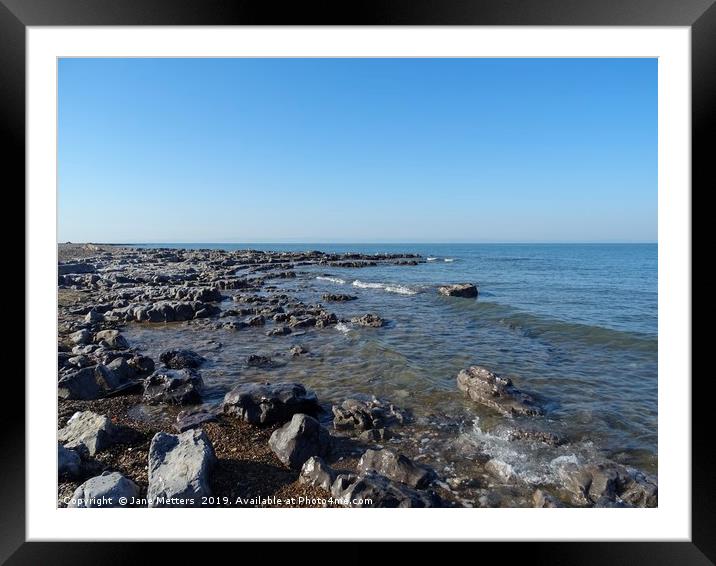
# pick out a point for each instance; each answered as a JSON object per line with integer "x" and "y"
{"x": 317, "y": 473}
{"x": 382, "y": 492}
{"x": 543, "y": 499}
{"x": 302, "y": 322}
{"x": 338, "y": 297}
{"x": 257, "y": 360}
{"x": 549, "y": 438}
{"x": 500, "y": 470}
{"x": 298, "y": 350}
{"x": 179, "y": 469}
{"x": 365, "y": 414}
{"x": 465, "y": 290}
{"x": 68, "y": 462}
{"x": 181, "y": 359}
{"x": 122, "y": 369}
{"x": 298, "y": 440}
{"x": 142, "y": 365}
{"x": 81, "y": 337}
{"x": 279, "y": 331}
{"x": 326, "y": 319}
{"x": 234, "y": 325}
{"x": 89, "y": 383}
{"x": 496, "y": 392}
{"x": 395, "y": 467}
{"x": 89, "y": 433}
{"x": 257, "y": 320}
{"x": 108, "y": 490}
{"x": 266, "y": 404}
{"x": 599, "y": 482}
{"x": 112, "y": 338}
{"x": 192, "y": 419}
{"x": 371, "y": 320}
{"x": 173, "y": 386}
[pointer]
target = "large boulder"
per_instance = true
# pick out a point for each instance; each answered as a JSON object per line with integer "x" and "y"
{"x": 395, "y": 467}
{"x": 181, "y": 359}
{"x": 496, "y": 392}
{"x": 465, "y": 290}
{"x": 93, "y": 382}
{"x": 266, "y": 404}
{"x": 107, "y": 490}
{"x": 374, "y": 490}
{"x": 179, "y": 468}
{"x": 112, "y": 338}
{"x": 89, "y": 433}
{"x": 173, "y": 386}
{"x": 298, "y": 440}
{"x": 366, "y": 414}
{"x": 68, "y": 462}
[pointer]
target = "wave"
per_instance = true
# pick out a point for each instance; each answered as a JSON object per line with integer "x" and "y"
{"x": 400, "y": 289}
{"x": 449, "y": 259}
{"x": 343, "y": 327}
{"x": 431, "y": 259}
{"x": 332, "y": 279}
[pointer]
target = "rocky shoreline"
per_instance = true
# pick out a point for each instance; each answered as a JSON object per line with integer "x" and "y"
{"x": 265, "y": 444}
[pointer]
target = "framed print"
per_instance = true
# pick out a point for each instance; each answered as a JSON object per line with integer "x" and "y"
{"x": 428, "y": 266}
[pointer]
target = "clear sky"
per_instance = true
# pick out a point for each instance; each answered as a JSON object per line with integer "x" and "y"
{"x": 357, "y": 150}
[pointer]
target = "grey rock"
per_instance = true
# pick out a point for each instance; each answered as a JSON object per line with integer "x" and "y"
{"x": 279, "y": 331}
{"x": 179, "y": 469}
{"x": 89, "y": 383}
{"x": 338, "y": 297}
{"x": 112, "y": 338}
{"x": 496, "y": 392}
{"x": 376, "y": 435}
{"x": 317, "y": 473}
{"x": 298, "y": 350}
{"x": 382, "y": 492}
{"x": 395, "y": 467}
{"x": 81, "y": 337}
{"x": 500, "y": 470}
{"x": 173, "y": 386}
{"x": 371, "y": 320}
{"x": 257, "y": 320}
{"x": 67, "y": 268}
{"x": 365, "y": 414}
{"x": 465, "y": 290}
{"x": 266, "y": 404}
{"x": 68, "y": 461}
{"x": 298, "y": 440}
{"x": 107, "y": 490}
{"x": 89, "y": 433}
{"x": 192, "y": 419}
{"x": 181, "y": 359}
{"x": 256, "y": 360}
{"x": 543, "y": 499}
{"x": 93, "y": 316}
{"x": 142, "y": 365}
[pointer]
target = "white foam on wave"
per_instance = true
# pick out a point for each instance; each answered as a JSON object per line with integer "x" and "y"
{"x": 432, "y": 258}
{"x": 343, "y": 327}
{"x": 400, "y": 289}
{"x": 332, "y": 279}
{"x": 449, "y": 259}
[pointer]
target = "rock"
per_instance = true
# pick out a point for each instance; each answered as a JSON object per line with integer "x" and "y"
{"x": 317, "y": 473}
{"x": 465, "y": 290}
{"x": 298, "y": 440}
{"x": 360, "y": 415}
{"x": 382, "y": 492}
{"x": 267, "y": 404}
{"x": 81, "y": 337}
{"x": 496, "y": 392}
{"x": 395, "y": 467}
{"x": 341, "y": 484}
{"x": 376, "y": 435}
{"x": 181, "y": 359}
{"x": 298, "y": 350}
{"x": 549, "y": 438}
{"x": 93, "y": 316}
{"x": 68, "y": 462}
{"x": 338, "y": 297}
{"x": 302, "y": 322}
{"x": 500, "y": 470}
{"x": 112, "y": 338}
{"x": 326, "y": 319}
{"x": 600, "y": 482}
{"x": 107, "y": 490}
{"x": 257, "y": 320}
{"x": 89, "y": 383}
{"x": 121, "y": 369}
{"x": 542, "y": 499}
{"x": 256, "y": 360}
{"x": 89, "y": 433}
{"x": 67, "y": 268}
{"x": 234, "y": 325}
{"x": 142, "y": 365}
{"x": 174, "y": 386}
{"x": 279, "y": 331}
{"x": 192, "y": 419}
{"x": 372, "y": 320}
{"x": 179, "y": 468}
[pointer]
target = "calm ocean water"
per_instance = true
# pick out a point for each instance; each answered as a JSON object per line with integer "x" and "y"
{"x": 576, "y": 325}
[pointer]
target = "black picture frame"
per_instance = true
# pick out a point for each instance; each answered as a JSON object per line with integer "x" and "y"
{"x": 699, "y": 15}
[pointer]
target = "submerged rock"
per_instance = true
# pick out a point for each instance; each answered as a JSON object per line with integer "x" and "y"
{"x": 496, "y": 392}
{"x": 371, "y": 320}
{"x": 179, "y": 468}
{"x": 361, "y": 415}
{"x": 181, "y": 359}
{"x": 108, "y": 490}
{"x": 465, "y": 290}
{"x": 266, "y": 404}
{"x": 298, "y": 440}
{"x": 396, "y": 467}
{"x": 338, "y": 297}
{"x": 256, "y": 360}
{"x": 173, "y": 386}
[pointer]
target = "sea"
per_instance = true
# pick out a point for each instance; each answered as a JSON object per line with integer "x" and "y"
{"x": 575, "y": 325}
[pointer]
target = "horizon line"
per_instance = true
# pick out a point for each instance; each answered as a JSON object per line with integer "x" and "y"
{"x": 375, "y": 243}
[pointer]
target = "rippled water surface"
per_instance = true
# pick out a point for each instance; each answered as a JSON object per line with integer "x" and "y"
{"x": 575, "y": 325}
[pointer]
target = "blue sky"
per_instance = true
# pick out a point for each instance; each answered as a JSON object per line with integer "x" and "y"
{"x": 357, "y": 150}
